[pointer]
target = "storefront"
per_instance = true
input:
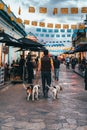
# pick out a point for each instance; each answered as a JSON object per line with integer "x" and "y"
{"x": 14, "y": 29}
{"x": 79, "y": 40}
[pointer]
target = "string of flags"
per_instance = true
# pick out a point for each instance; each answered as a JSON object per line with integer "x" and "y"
{"x": 44, "y": 10}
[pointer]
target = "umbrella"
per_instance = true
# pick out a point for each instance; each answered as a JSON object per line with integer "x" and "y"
{"x": 29, "y": 43}
{"x": 9, "y": 40}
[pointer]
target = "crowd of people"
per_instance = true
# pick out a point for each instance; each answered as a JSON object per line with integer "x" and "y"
{"x": 47, "y": 65}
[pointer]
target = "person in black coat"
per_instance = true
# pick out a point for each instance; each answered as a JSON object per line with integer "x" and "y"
{"x": 30, "y": 69}
{"x": 85, "y": 77}
{"x": 21, "y": 66}
{"x": 56, "y": 63}
{"x": 73, "y": 63}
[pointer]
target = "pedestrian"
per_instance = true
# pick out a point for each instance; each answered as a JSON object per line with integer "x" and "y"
{"x": 85, "y": 77}
{"x": 83, "y": 63}
{"x": 56, "y": 63}
{"x": 36, "y": 60}
{"x": 45, "y": 65}
{"x": 73, "y": 63}
{"x": 67, "y": 62}
{"x": 21, "y": 66}
{"x": 6, "y": 71}
{"x": 30, "y": 70}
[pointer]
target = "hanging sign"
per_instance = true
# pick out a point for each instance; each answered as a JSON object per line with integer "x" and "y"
{"x": 1, "y": 6}
{"x": 55, "y": 11}
{"x": 42, "y": 24}
{"x": 43, "y": 10}
{"x": 31, "y": 9}
{"x": 81, "y": 26}
{"x": 5, "y": 49}
{"x": 57, "y": 25}
{"x": 84, "y": 10}
{"x": 18, "y": 20}
{"x": 26, "y": 22}
{"x": 64, "y": 10}
{"x": 50, "y": 25}
{"x": 12, "y": 18}
{"x": 74, "y": 10}
{"x": 65, "y": 26}
{"x": 73, "y": 26}
{"x": 34, "y": 23}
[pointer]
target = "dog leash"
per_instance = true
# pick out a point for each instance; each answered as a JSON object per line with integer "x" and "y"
{"x": 37, "y": 77}
{"x": 53, "y": 79}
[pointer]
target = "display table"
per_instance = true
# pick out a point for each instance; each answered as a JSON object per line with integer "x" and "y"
{"x": 15, "y": 74}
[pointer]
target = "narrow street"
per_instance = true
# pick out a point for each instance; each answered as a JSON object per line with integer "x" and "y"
{"x": 68, "y": 112}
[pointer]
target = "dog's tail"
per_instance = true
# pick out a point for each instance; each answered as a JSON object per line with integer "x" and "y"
{"x": 47, "y": 86}
{"x": 24, "y": 86}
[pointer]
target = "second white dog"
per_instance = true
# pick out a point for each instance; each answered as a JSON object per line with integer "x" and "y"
{"x": 55, "y": 90}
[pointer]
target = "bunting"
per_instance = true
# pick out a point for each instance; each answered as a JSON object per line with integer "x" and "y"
{"x": 73, "y": 26}
{"x": 57, "y": 25}
{"x": 12, "y": 18}
{"x": 50, "y": 25}
{"x": 55, "y": 11}
{"x": 74, "y": 10}
{"x": 42, "y": 24}
{"x": 18, "y": 20}
{"x": 84, "y": 10}
{"x": 66, "y": 26}
{"x": 31, "y": 9}
{"x": 81, "y": 26}
{"x": 1, "y": 6}
{"x": 26, "y": 22}
{"x": 8, "y": 9}
{"x": 64, "y": 10}
{"x": 34, "y": 23}
{"x": 19, "y": 11}
{"x": 43, "y": 10}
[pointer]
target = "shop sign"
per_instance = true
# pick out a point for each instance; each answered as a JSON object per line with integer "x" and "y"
{"x": 5, "y": 49}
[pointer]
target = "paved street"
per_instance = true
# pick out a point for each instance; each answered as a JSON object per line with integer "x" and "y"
{"x": 68, "y": 112}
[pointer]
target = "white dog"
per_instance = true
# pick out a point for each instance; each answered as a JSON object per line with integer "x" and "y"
{"x": 32, "y": 91}
{"x": 35, "y": 92}
{"x": 55, "y": 89}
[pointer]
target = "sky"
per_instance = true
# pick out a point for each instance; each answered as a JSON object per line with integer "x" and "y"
{"x": 58, "y": 18}
{"x": 49, "y": 4}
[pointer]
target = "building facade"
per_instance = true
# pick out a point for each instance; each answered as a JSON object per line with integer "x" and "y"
{"x": 79, "y": 38}
{"x": 10, "y": 26}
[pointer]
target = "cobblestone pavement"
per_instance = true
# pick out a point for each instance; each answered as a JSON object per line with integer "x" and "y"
{"x": 68, "y": 112}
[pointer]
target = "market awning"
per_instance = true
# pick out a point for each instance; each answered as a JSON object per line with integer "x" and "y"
{"x": 9, "y": 40}
{"x": 38, "y": 49}
{"x": 80, "y": 48}
{"x": 83, "y": 43}
{"x": 69, "y": 52}
{"x": 29, "y": 43}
